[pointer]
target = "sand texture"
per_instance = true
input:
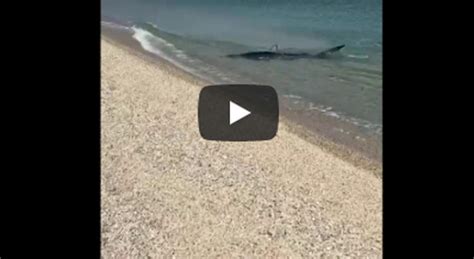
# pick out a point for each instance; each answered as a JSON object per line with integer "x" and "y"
{"x": 167, "y": 193}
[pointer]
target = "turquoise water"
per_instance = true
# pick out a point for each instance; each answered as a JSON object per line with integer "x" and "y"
{"x": 197, "y": 35}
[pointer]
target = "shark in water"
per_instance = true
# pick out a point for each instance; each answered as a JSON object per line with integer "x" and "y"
{"x": 274, "y": 53}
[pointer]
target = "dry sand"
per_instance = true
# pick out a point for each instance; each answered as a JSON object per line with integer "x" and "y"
{"x": 168, "y": 193}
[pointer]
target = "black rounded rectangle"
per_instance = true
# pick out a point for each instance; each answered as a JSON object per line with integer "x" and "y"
{"x": 238, "y": 112}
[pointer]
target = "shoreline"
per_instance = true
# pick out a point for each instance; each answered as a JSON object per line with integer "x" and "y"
{"x": 366, "y": 155}
{"x": 166, "y": 192}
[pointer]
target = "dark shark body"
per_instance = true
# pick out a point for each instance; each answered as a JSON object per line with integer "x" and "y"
{"x": 269, "y": 55}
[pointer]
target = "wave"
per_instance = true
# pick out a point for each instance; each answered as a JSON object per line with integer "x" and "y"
{"x": 292, "y": 96}
{"x": 114, "y": 25}
{"x": 152, "y": 43}
{"x": 152, "y": 39}
{"x": 328, "y": 111}
{"x": 297, "y": 100}
{"x": 358, "y": 56}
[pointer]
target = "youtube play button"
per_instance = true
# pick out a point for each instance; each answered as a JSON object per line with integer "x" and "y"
{"x": 238, "y": 112}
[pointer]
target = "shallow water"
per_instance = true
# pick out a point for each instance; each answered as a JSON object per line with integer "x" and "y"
{"x": 197, "y": 36}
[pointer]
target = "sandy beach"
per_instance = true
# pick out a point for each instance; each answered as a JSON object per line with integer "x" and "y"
{"x": 166, "y": 192}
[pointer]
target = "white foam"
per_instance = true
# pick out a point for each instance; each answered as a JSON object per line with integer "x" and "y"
{"x": 358, "y": 56}
{"x": 148, "y": 42}
{"x": 291, "y": 96}
{"x": 115, "y": 26}
{"x": 327, "y": 111}
{"x": 333, "y": 114}
{"x": 160, "y": 47}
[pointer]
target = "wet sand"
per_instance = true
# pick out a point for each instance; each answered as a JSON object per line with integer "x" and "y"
{"x": 168, "y": 193}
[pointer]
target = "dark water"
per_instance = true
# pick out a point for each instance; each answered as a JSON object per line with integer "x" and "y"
{"x": 197, "y": 35}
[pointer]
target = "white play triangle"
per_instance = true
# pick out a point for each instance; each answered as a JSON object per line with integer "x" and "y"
{"x": 236, "y": 112}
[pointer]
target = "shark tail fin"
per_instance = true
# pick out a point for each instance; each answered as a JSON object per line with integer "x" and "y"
{"x": 329, "y": 51}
